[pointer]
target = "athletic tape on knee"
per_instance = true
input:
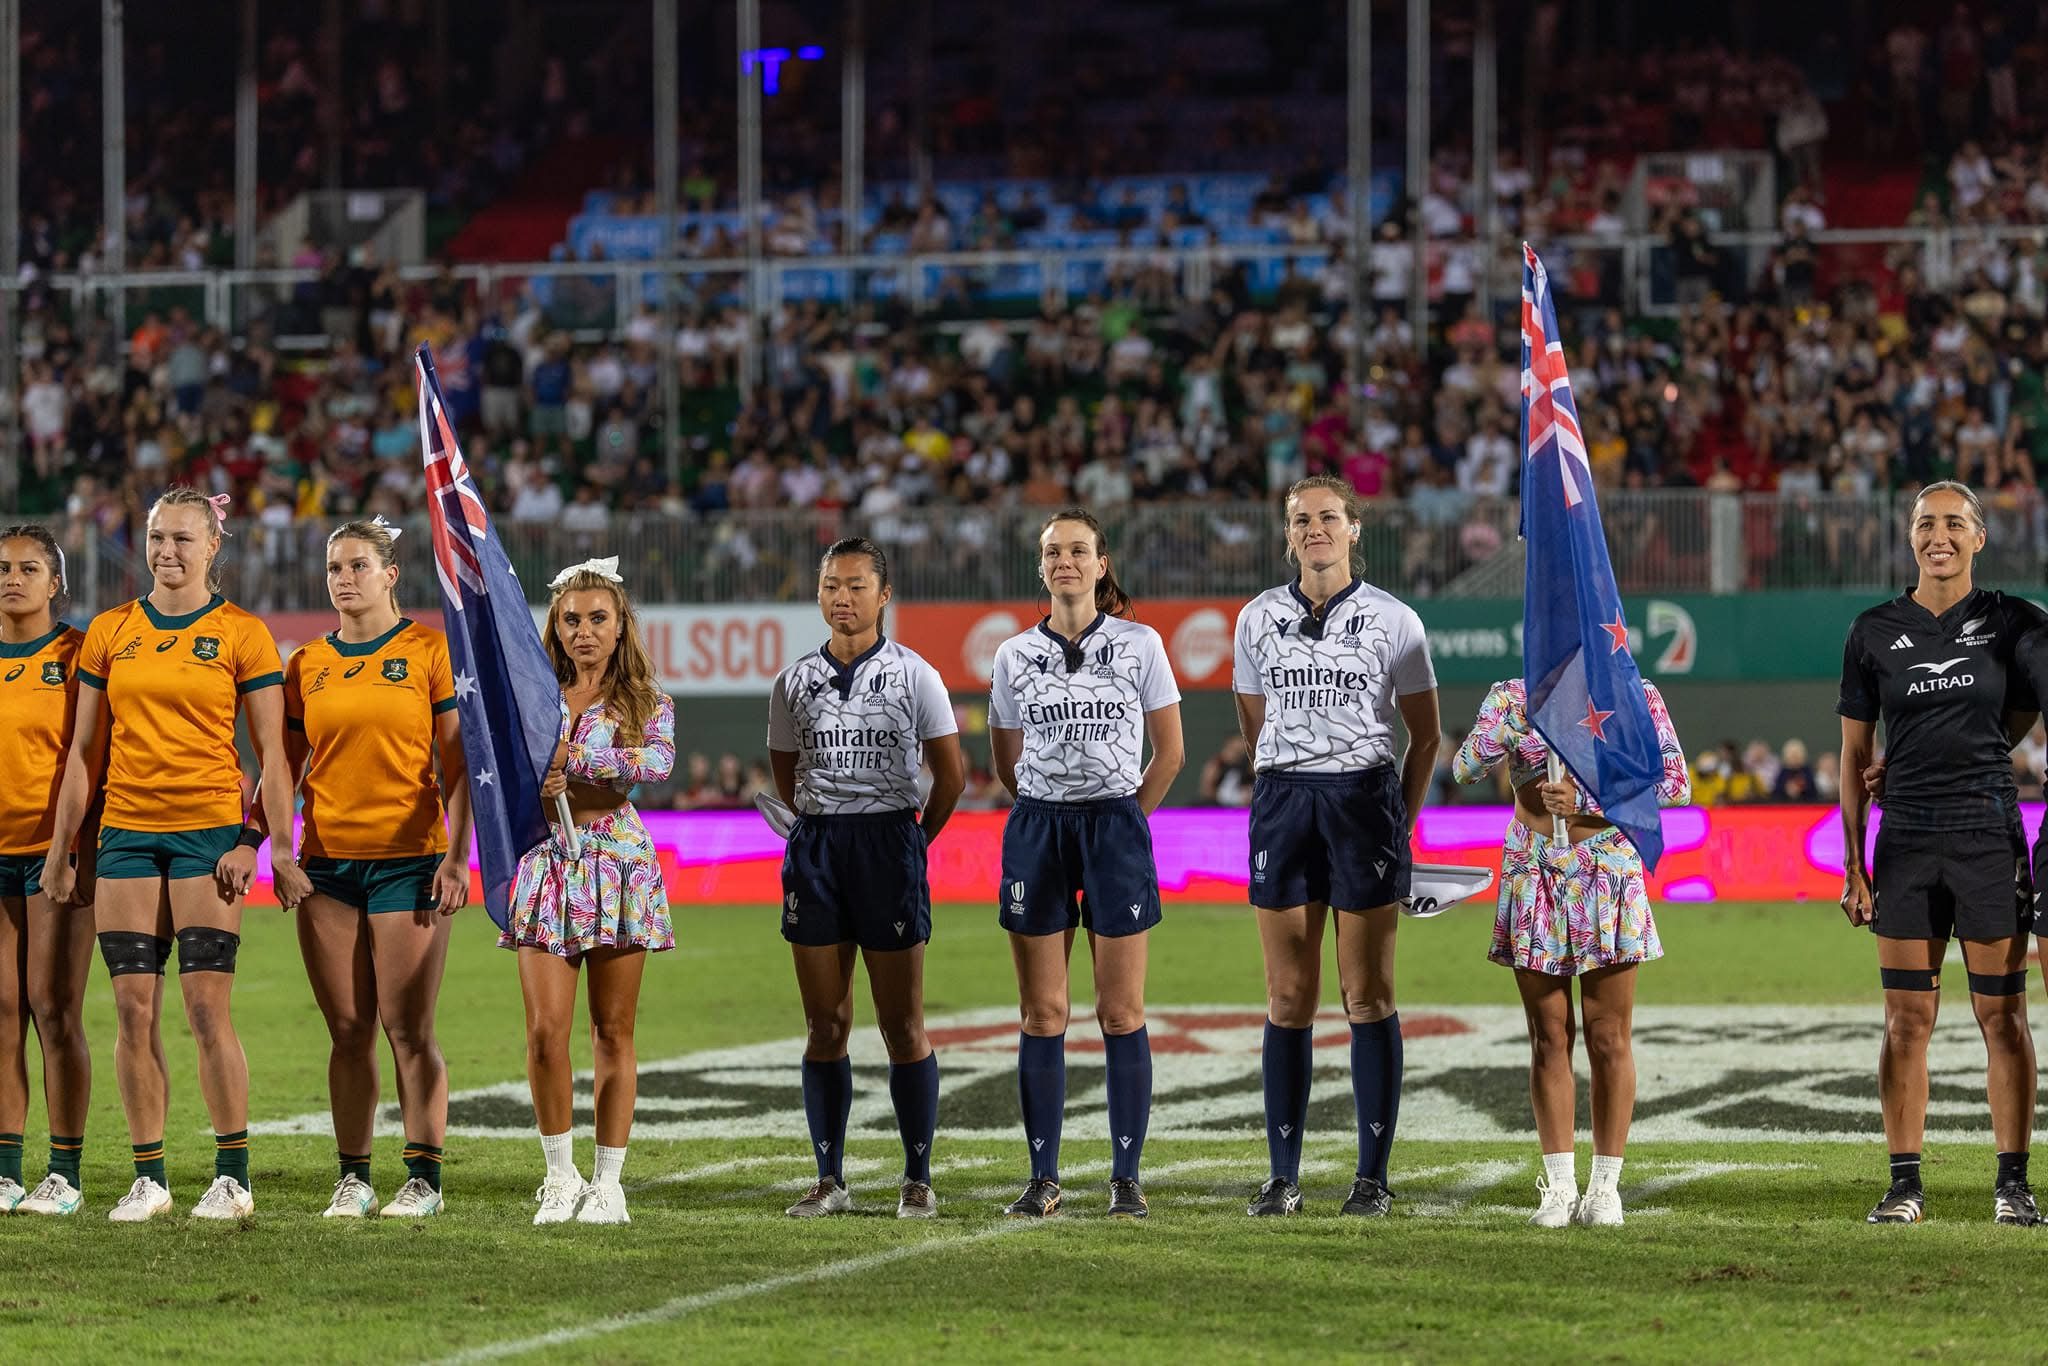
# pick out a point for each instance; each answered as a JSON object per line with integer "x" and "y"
{"x": 1910, "y": 979}
{"x": 1999, "y": 983}
{"x": 129, "y": 954}
{"x": 204, "y": 949}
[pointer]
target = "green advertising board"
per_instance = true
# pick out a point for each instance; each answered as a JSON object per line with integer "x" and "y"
{"x": 1753, "y": 637}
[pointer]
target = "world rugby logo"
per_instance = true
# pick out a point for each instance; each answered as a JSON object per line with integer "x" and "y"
{"x": 1711, "y": 1074}
{"x": 1259, "y": 866}
{"x": 1017, "y": 898}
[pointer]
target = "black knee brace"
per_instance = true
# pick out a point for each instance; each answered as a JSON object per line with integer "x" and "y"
{"x": 204, "y": 949}
{"x": 129, "y": 953}
{"x": 1999, "y": 983}
{"x": 1910, "y": 979}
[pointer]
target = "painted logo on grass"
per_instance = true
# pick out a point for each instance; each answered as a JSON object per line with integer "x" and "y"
{"x": 1742, "y": 1074}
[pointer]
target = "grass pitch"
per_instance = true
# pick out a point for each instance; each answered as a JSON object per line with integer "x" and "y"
{"x": 1758, "y": 1155}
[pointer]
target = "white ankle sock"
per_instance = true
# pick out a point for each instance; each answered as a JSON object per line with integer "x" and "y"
{"x": 1562, "y": 1169}
{"x": 1606, "y": 1173}
{"x": 560, "y": 1153}
{"x": 610, "y": 1162}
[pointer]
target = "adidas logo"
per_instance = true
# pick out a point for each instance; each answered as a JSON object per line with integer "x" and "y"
{"x": 1902, "y": 643}
{"x": 1286, "y": 1129}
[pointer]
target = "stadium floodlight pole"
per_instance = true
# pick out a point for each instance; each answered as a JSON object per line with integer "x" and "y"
{"x": 1358, "y": 200}
{"x": 245, "y": 144}
{"x": 113, "y": 161}
{"x": 1485, "y": 148}
{"x": 750, "y": 182}
{"x": 1418, "y": 170}
{"x": 666, "y": 115}
{"x": 10, "y": 248}
{"x": 853, "y": 131}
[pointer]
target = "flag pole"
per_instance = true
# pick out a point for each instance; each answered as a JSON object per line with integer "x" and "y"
{"x": 1560, "y": 833}
{"x": 574, "y": 836}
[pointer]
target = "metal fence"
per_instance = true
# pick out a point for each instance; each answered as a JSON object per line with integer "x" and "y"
{"x": 1665, "y": 541}
{"x": 597, "y": 299}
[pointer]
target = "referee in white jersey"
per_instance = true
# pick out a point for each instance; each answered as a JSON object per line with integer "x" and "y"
{"x": 1322, "y": 665}
{"x": 848, "y": 727}
{"x": 1074, "y": 700}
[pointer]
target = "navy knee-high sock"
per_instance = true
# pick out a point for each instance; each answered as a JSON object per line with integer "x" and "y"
{"x": 1129, "y": 1065}
{"x": 828, "y": 1096}
{"x": 914, "y": 1087}
{"x": 1042, "y": 1091}
{"x": 1376, "y": 1088}
{"x": 1285, "y": 1064}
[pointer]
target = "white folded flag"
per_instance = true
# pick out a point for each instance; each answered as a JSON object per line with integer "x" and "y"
{"x": 776, "y": 812}
{"x": 1434, "y": 888}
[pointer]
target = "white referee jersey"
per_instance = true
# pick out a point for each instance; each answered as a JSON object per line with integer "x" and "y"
{"x": 858, "y": 730}
{"x": 1330, "y": 701}
{"x": 1084, "y": 729}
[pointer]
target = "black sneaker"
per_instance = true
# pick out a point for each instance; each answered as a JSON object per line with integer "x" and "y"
{"x": 1277, "y": 1196}
{"x": 1904, "y": 1203}
{"x": 1368, "y": 1197}
{"x": 2013, "y": 1203}
{"x": 1127, "y": 1201}
{"x": 1040, "y": 1199}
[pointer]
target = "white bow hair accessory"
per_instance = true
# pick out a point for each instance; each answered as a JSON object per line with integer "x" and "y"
{"x": 606, "y": 568}
{"x": 394, "y": 532}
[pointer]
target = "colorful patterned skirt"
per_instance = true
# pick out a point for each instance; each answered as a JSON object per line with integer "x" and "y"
{"x": 1568, "y": 910}
{"x": 612, "y": 897}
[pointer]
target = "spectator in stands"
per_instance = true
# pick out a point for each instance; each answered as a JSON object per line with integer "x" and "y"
{"x": 1227, "y": 776}
{"x": 1795, "y": 781}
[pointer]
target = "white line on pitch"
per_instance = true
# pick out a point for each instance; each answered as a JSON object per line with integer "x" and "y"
{"x": 731, "y": 1164}
{"x": 684, "y": 1305}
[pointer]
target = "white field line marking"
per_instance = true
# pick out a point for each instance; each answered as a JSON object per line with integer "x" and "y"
{"x": 684, "y": 1305}
{"x": 1453, "y": 1198}
{"x": 855, "y": 1167}
{"x": 731, "y": 1164}
{"x": 1682, "y": 1174}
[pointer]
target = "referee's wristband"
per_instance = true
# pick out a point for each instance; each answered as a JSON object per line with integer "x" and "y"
{"x": 250, "y": 838}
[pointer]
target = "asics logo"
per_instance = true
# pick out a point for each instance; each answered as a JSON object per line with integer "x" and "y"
{"x": 1944, "y": 666}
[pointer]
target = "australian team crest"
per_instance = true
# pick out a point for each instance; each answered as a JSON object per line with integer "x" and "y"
{"x": 206, "y": 647}
{"x": 53, "y": 672}
{"x": 394, "y": 670}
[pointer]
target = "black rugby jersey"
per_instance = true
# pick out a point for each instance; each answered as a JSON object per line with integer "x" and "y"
{"x": 1942, "y": 686}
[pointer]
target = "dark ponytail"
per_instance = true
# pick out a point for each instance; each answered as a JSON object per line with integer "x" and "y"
{"x": 40, "y": 534}
{"x": 1110, "y": 597}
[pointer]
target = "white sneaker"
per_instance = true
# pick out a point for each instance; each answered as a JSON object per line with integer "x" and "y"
{"x": 144, "y": 1200}
{"x": 226, "y": 1198}
{"x": 559, "y": 1196}
{"x": 1600, "y": 1207}
{"x": 603, "y": 1203}
{"x": 827, "y": 1197}
{"x": 56, "y": 1195}
{"x": 353, "y": 1199}
{"x": 917, "y": 1200}
{"x": 415, "y": 1200}
{"x": 1558, "y": 1205}
{"x": 11, "y": 1194}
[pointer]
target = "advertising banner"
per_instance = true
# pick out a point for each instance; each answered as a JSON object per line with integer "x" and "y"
{"x": 1729, "y": 853}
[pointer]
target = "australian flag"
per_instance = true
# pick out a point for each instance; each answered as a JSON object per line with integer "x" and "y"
{"x": 505, "y": 688}
{"x": 1585, "y": 695}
